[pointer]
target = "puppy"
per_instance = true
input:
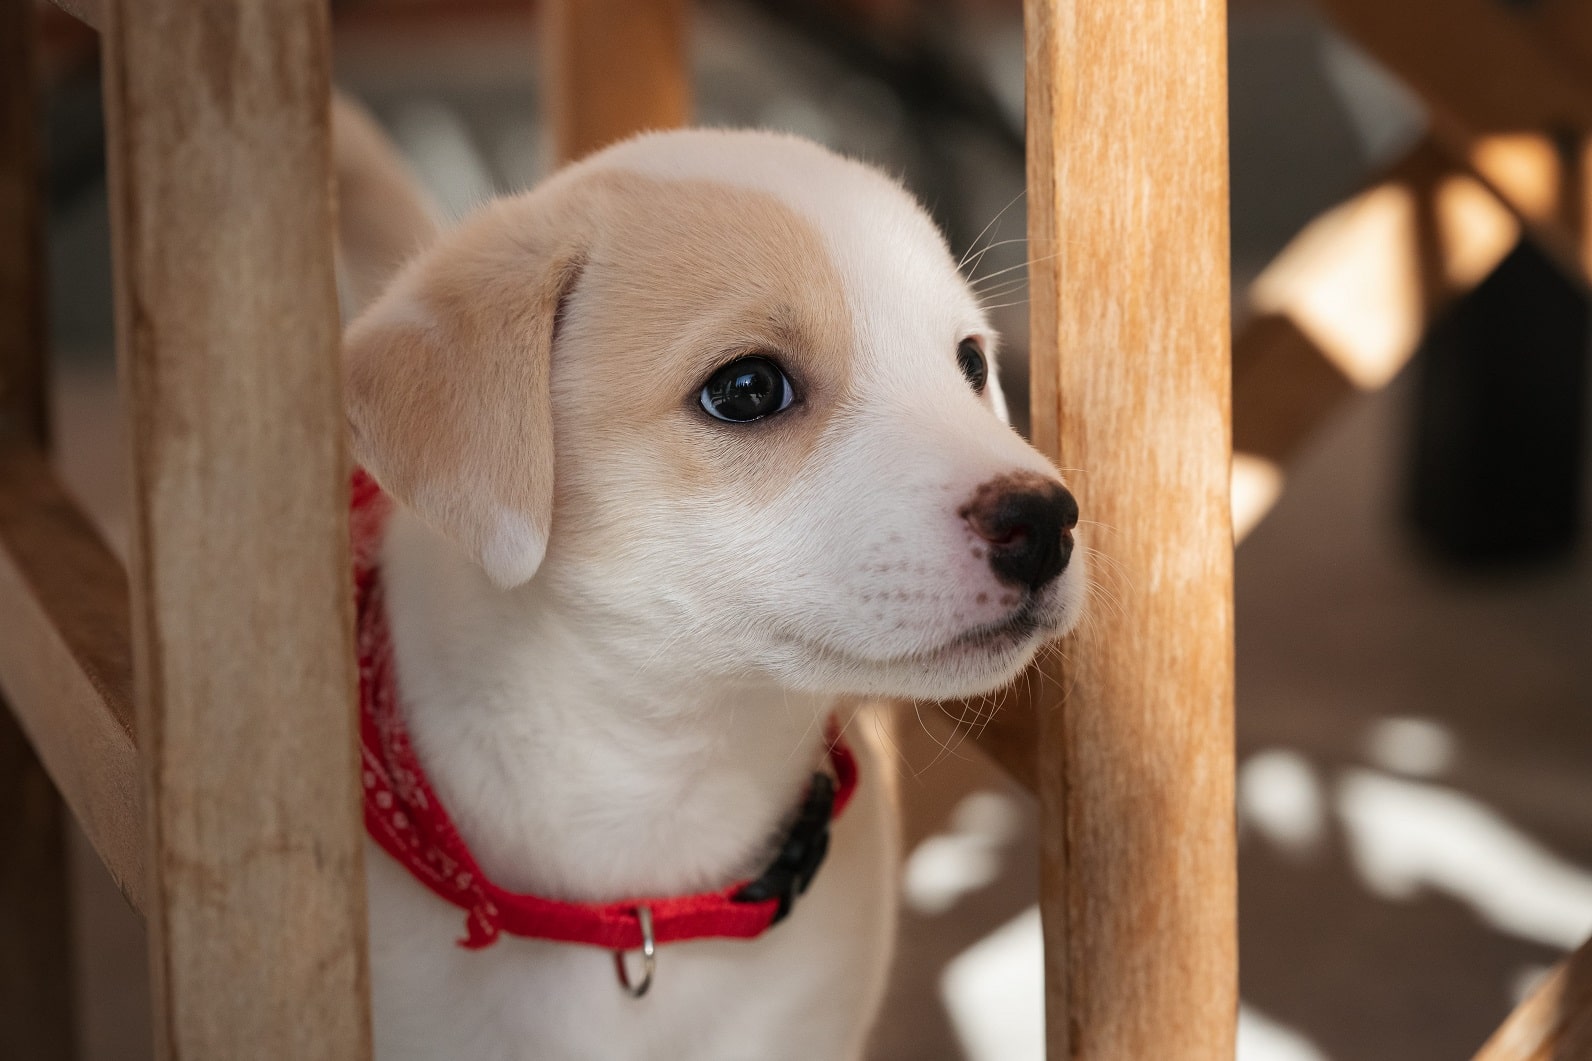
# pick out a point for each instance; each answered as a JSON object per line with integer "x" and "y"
{"x": 677, "y": 453}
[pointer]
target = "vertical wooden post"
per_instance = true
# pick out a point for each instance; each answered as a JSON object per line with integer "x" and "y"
{"x": 220, "y": 157}
{"x": 614, "y": 68}
{"x": 36, "y": 985}
{"x": 1127, "y": 177}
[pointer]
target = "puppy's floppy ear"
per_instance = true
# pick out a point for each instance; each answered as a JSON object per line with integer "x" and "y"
{"x": 447, "y": 381}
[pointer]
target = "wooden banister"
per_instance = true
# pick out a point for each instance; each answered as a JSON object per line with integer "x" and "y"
{"x": 1127, "y": 197}
{"x": 65, "y": 660}
{"x": 228, "y": 334}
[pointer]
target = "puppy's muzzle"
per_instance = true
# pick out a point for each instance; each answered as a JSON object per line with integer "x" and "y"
{"x": 1027, "y": 520}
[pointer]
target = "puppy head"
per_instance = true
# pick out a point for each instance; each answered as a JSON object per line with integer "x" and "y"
{"x": 727, "y": 398}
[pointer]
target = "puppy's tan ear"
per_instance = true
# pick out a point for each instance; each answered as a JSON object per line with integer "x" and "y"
{"x": 447, "y": 388}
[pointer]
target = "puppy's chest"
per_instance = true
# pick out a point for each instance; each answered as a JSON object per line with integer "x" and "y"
{"x": 595, "y": 827}
{"x": 806, "y": 987}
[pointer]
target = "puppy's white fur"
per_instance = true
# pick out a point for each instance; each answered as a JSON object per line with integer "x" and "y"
{"x": 618, "y": 680}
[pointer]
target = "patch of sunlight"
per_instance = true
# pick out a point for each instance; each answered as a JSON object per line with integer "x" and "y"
{"x": 1256, "y": 486}
{"x": 1416, "y": 747}
{"x": 1528, "y": 167}
{"x": 1280, "y": 796}
{"x": 1262, "y": 1039}
{"x": 995, "y": 995}
{"x": 949, "y": 865}
{"x": 1405, "y": 836}
{"x": 1351, "y": 282}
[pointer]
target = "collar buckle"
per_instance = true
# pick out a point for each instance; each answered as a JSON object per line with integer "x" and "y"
{"x": 800, "y": 855}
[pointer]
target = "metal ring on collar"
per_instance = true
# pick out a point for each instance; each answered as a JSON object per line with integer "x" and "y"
{"x": 649, "y": 961}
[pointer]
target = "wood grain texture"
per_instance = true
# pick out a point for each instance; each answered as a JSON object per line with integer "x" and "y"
{"x": 1128, "y": 192}
{"x": 227, "y": 319}
{"x": 1554, "y": 1023}
{"x": 615, "y": 68}
{"x": 37, "y": 1018}
{"x": 65, "y": 661}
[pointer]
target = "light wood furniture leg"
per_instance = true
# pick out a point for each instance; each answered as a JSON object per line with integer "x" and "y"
{"x": 219, "y": 148}
{"x": 1128, "y": 232}
{"x": 615, "y": 68}
{"x": 1338, "y": 312}
{"x": 36, "y": 982}
{"x": 1554, "y": 1023}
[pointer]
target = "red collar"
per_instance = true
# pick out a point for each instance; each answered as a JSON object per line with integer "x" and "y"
{"x": 406, "y": 818}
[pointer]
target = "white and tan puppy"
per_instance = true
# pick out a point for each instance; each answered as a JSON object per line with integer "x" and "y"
{"x": 691, "y": 442}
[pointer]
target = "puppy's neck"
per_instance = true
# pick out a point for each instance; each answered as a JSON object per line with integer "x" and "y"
{"x": 574, "y": 765}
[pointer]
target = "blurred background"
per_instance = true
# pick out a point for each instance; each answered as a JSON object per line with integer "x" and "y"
{"x": 1414, "y": 596}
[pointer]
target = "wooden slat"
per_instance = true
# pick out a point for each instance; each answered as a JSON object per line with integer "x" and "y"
{"x": 1554, "y": 1023}
{"x": 37, "y": 1017}
{"x": 1345, "y": 305}
{"x": 65, "y": 664}
{"x": 220, "y": 158}
{"x": 615, "y": 68}
{"x": 1501, "y": 97}
{"x": 1127, "y": 178}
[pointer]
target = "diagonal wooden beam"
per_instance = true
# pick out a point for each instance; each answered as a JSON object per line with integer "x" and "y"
{"x": 1501, "y": 97}
{"x": 65, "y": 661}
{"x": 242, "y": 613}
{"x": 1554, "y": 1023}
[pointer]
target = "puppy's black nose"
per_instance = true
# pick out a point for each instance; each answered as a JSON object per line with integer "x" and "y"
{"x": 1027, "y": 520}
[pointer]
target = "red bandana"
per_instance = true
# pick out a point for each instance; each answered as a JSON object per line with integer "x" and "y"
{"x": 406, "y": 818}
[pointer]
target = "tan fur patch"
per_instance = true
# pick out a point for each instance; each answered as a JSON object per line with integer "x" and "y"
{"x": 686, "y": 276}
{"x": 456, "y": 393}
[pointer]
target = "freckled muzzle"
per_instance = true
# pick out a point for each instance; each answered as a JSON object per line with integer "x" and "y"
{"x": 1027, "y": 521}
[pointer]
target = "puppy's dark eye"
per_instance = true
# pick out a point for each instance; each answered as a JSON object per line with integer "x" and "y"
{"x": 970, "y": 358}
{"x": 747, "y": 389}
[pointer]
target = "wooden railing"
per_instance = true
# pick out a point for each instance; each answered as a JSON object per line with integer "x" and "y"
{"x": 231, "y": 819}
